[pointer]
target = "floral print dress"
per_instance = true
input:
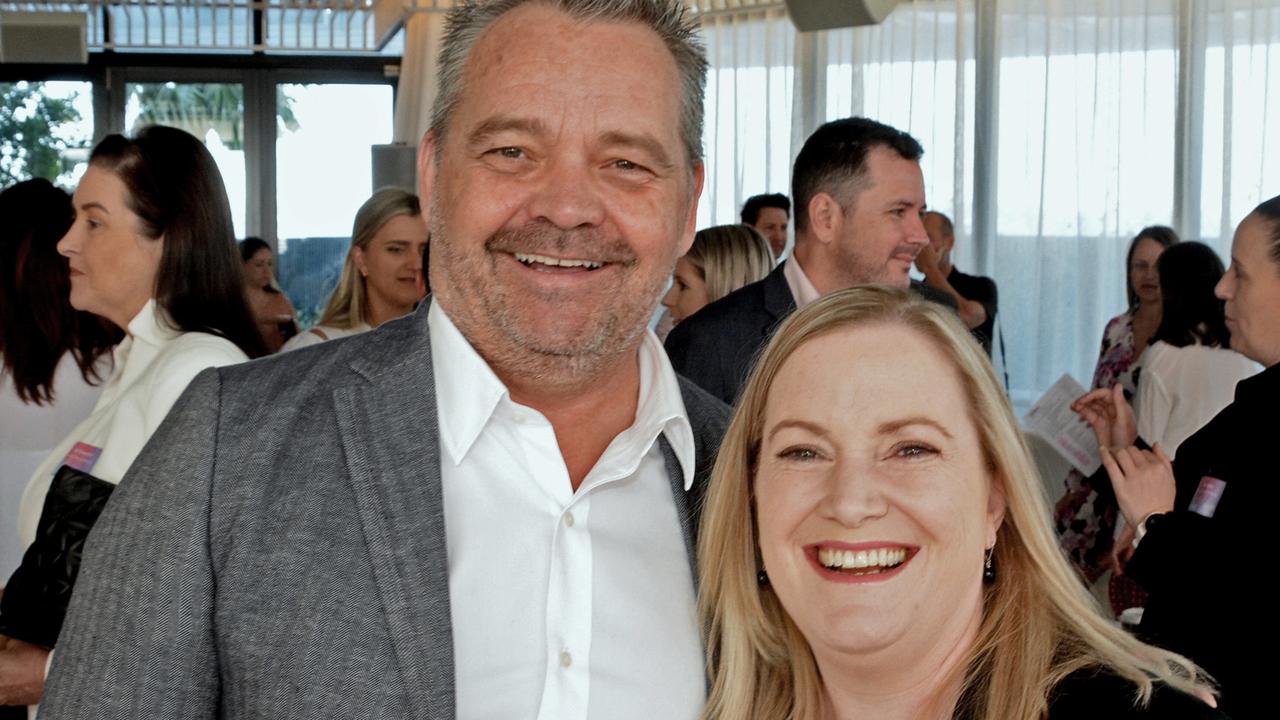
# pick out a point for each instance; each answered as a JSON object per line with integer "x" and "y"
{"x": 1085, "y": 518}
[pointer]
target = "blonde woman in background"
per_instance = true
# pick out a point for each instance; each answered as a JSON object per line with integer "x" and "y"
{"x": 722, "y": 259}
{"x": 381, "y": 277}
{"x": 875, "y": 543}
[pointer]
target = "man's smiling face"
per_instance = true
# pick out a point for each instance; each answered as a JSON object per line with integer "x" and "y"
{"x": 561, "y": 194}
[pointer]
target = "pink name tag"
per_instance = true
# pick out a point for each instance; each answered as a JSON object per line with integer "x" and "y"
{"x": 1207, "y": 496}
{"x": 82, "y": 457}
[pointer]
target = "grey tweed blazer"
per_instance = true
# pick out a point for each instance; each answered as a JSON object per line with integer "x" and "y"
{"x": 278, "y": 548}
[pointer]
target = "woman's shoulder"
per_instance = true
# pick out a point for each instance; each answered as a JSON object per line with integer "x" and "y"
{"x": 1118, "y": 325}
{"x": 199, "y": 350}
{"x": 1093, "y": 694}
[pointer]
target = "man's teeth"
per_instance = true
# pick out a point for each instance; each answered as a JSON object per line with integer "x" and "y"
{"x": 875, "y": 560}
{"x": 529, "y": 259}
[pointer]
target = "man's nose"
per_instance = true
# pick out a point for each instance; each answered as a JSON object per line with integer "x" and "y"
{"x": 569, "y": 195}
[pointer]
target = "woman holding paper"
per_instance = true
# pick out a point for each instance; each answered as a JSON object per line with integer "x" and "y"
{"x": 1203, "y": 520}
{"x": 1086, "y": 518}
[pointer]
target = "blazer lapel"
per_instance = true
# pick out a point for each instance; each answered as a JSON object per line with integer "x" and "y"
{"x": 390, "y": 438}
{"x": 778, "y": 300}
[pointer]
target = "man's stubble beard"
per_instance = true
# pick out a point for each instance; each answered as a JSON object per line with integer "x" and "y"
{"x": 488, "y": 317}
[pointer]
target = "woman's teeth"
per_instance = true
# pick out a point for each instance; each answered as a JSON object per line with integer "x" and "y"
{"x": 862, "y": 562}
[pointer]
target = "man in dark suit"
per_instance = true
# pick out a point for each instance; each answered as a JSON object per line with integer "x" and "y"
{"x": 486, "y": 508}
{"x": 859, "y": 196}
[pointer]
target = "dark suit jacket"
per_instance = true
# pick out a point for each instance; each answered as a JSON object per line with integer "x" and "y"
{"x": 717, "y": 346}
{"x": 278, "y": 548}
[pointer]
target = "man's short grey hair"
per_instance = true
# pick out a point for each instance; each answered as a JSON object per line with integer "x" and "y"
{"x": 668, "y": 18}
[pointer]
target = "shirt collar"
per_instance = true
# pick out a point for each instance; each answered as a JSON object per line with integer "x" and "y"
{"x": 152, "y": 325}
{"x": 661, "y": 407}
{"x": 801, "y": 288}
{"x": 467, "y": 390}
{"x": 468, "y": 394}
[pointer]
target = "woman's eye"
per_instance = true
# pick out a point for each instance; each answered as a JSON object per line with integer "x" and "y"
{"x": 799, "y": 453}
{"x": 914, "y": 450}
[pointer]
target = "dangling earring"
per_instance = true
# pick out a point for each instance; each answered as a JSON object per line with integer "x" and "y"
{"x": 988, "y": 569}
{"x": 762, "y": 578}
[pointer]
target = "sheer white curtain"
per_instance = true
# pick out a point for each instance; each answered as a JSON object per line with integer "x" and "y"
{"x": 914, "y": 71}
{"x": 748, "y": 105}
{"x": 1093, "y": 119}
{"x": 1085, "y": 142}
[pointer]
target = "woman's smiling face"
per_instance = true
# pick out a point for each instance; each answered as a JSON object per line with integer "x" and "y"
{"x": 874, "y": 500}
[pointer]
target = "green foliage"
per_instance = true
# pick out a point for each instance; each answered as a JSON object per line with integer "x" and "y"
{"x": 30, "y": 145}
{"x": 197, "y": 107}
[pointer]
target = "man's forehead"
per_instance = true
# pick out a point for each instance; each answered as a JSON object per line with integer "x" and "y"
{"x": 535, "y": 56}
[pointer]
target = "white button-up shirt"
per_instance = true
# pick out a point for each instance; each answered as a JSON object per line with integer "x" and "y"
{"x": 565, "y": 605}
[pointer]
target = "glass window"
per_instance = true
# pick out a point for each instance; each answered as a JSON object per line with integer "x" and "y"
{"x": 324, "y": 174}
{"x": 213, "y": 112}
{"x": 46, "y": 131}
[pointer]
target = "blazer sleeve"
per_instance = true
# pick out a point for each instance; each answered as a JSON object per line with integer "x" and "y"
{"x": 138, "y": 638}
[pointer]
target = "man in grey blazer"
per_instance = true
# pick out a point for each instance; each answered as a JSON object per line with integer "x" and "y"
{"x": 486, "y": 509}
{"x": 859, "y": 197}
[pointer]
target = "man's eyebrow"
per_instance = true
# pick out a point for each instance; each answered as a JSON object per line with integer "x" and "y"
{"x": 642, "y": 142}
{"x": 505, "y": 123}
{"x": 800, "y": 424}
{"x": 888, "y": 428}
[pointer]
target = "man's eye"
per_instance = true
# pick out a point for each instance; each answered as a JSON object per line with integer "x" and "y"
{"x": 624, "y": 164}
{"x": 511, "y": 153}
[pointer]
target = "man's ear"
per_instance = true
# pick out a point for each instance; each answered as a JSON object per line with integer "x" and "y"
{"x": 426, "y": 171}
{"x": 691, "y": 222}
{"x": 825, "y": 218}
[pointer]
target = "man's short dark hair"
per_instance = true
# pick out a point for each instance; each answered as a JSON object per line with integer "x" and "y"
{"x": 834, "y": 160}
{"x": 754, "y": 204}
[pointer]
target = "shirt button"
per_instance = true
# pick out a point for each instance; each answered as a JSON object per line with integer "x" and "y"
{"x": 568, "y": 519}
{"x": 565, "y": 658}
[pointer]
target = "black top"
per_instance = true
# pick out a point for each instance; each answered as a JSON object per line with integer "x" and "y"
{"x": 1088, "y": 695}
{"x": 1207, "y": 567}
{"x": 981, "y": 290}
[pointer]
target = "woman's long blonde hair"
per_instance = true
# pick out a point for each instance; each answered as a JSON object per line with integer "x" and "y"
{"x": 1039, "y": 624}
{"x": 347, "y": 306}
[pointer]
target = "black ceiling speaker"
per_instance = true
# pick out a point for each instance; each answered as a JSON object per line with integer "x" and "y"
{"x": 811, "y": 15}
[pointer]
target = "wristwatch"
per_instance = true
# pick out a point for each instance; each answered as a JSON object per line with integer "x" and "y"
{"x": 1148, "y": 522}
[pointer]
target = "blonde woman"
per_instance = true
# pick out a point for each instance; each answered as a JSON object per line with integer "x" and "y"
{"x": 722, "y": 259}
{"x": 382, "y": 276}
{"x": 875, "y": 543}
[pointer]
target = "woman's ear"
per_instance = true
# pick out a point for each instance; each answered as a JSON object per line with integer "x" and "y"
{"x": 357, "y": 257}
{"x": 997, "y": 503}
